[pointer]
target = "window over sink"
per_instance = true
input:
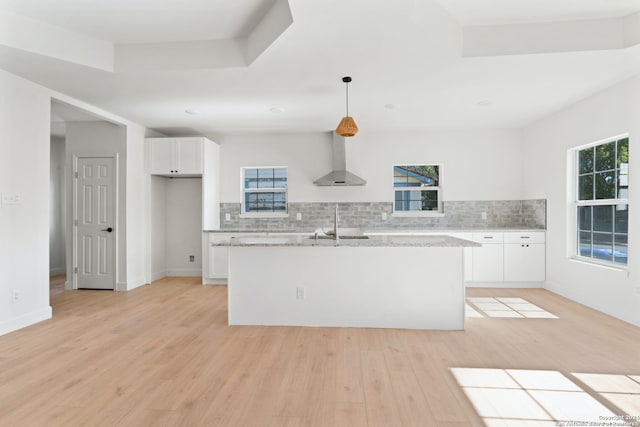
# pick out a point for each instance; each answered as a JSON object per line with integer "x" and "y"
{"x": 264, "y": 191}
{"x": 417, "y": 189}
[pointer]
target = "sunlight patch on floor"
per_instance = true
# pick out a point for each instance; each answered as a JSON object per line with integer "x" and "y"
{"x": 505, "y": 307}
{"x": 527, "y": 398}
{"x": 621, "y": 390}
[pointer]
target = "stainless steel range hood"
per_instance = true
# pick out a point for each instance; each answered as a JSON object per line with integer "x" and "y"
{"x": 339, "y": 175}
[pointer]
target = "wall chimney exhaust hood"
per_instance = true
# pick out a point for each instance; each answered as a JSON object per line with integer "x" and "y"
{"x": 339, "y": 176}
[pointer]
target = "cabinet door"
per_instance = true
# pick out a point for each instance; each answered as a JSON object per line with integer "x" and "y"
{"x": 488, "y": 263}
{"x": 524, "y": 262}
{"x": 162, "y": 155}
{"x": 218, "y": 262}
{"x": 188, "y": 156}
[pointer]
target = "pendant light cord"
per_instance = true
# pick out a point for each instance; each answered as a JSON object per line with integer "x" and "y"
{"x": 347, "y": 99}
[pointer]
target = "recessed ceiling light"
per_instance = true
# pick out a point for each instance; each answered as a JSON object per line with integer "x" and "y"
{"x": 192, "y": 112}
{"x": 276, "y": 110}
{"x": 485, "y": 103}
{"x": 391, "y": 106}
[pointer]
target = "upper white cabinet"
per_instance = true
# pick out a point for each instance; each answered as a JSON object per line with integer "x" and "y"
{"x": 176, "y": 156}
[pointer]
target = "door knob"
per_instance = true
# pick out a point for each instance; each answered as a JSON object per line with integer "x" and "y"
{"x": 108, "y": 230}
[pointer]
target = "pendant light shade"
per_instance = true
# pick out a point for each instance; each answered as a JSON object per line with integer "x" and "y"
{"x": 347, "y": 126}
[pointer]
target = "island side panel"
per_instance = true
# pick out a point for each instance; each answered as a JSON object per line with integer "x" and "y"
{"x": 376, "y": 287}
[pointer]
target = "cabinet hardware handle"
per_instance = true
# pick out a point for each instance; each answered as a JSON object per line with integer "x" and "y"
{"x": 525, "y": 237}
{"x": 488, "y": 237}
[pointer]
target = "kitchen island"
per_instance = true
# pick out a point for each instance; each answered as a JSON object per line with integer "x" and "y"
{"x": 385, "y": 281}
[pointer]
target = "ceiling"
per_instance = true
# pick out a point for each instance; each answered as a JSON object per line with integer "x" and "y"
{"x": 491, "y": 12}
{"x": 245, "y": 68}
{"x": 147, "y": 21}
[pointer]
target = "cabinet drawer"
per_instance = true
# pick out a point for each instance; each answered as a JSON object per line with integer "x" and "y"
{"x": 524, "y": 237}
{"x": 489, "y": 238}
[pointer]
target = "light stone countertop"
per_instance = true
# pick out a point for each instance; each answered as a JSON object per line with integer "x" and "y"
{"x": 398, "y": 231}
{"x": 274, "y": 240}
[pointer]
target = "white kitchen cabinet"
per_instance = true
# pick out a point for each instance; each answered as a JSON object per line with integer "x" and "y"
{"x": 524, "y": 257}
{"x": 175, "y": 156}
{"x": 218, "y": 262}
{"x": 488, "y": 260}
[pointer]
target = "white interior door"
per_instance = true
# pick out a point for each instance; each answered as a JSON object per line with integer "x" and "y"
{"x": 95, "y": 215}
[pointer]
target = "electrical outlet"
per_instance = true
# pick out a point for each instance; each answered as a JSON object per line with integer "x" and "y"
{"x": 192, "y": 258}
{"x": 384, "y": 216}
{"x": 227, "y": 217}
{"x": 484, "y": 215}
{"x": 15, "y": 295}
{"x": 10, "y": 199}
{"x": 300, "y": 292}
{"x": 638, "y": 291}
{"x": 299, "y": 216}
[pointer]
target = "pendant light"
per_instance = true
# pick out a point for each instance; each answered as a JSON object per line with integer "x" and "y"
{"x": 347, "y": 126}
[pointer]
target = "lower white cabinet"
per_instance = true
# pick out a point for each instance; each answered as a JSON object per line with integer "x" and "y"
{"x": 218, "y": 257}
{"x": 524, "y": 257}
{"x": 488, "y": 259}
{"x": 509, "y": 257}
{"x": 218, "y": 262}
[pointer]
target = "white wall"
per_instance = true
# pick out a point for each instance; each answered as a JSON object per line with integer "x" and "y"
{"x": 478, "y": 165}
{"x": 158, "y": 226}
{"x": 545, "y": 145}
{"x": 138, "y": 254}
{"x": 183, "y": 207}
{"x": 24, "y": 228}
{"x": 57, "y": 208}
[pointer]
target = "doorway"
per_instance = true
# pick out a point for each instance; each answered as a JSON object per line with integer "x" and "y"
{"x": 91, "y": 145}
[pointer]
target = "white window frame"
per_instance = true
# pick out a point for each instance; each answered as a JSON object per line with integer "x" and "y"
{"x": 244, "y": 213}
{"x": 574, "y": 251}
{"x": 438, "y": 189}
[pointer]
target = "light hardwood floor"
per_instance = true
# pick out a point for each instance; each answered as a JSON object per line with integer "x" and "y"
{"x": 56, "y": 285}
{"x": 163, "y": 355}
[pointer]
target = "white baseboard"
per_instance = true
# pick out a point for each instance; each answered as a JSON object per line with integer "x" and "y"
{"x": 25, "y": 320}
{"x": 158, "y": 275}
{"x": 132, "y": 287}
{"x": 57, "y": 271}
{"x": 185, "y": 272}
{"x": 209, "y": 281}
{"x": 522, "y": 285}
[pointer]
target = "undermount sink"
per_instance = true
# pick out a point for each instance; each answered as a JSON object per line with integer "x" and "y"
{"x": 260, "y": 240}
{"x": 343, "y": 233}
{"x": 330, "y": 237}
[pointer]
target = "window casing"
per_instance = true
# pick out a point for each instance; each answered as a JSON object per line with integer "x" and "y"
{"x": 417, "y": 189}
{"x": 264, "y": 190}
{"x": 601, "y": 200}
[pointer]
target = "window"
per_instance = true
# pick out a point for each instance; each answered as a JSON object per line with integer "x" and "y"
{"x": 416, "y": 188}
{"x": 601, "y": 200}
{"x": 264, "y": 190}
